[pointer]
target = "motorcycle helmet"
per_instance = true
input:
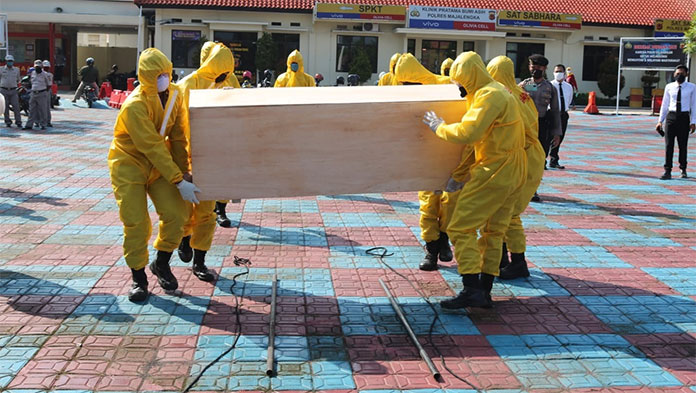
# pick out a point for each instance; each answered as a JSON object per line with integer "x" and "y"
{"x": 89, "y": 61}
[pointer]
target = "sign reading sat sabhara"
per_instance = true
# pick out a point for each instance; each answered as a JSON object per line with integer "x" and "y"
{"x": 671, "y": 27}
{"x": 424, "y": 17}
{"x": 360, "y": 12}
{"x": 547, "y": 20}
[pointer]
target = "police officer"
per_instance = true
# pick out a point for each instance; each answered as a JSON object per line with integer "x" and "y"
{"x": 9, "y": 80}
{"x": 40, "y": 84}
{"x": 46, "y": 70}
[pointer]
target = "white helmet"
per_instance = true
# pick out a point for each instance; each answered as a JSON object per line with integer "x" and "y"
{"x": 46, "y": 63}
{"x": 9, "y": 58}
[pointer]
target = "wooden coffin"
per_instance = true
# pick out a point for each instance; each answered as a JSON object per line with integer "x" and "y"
{"x": 269, "y": 143}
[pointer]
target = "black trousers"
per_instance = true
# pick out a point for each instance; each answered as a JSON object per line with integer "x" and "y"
{"x": 553, "y": 153}
{"x": 677, "y": 126}
{"x": 545, "y": 134}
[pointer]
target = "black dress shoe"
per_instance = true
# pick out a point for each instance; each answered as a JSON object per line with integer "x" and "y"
{"x": 8, "y": 125}
{"x": 27, "y": 128}
{"x": 683, "y": 174}
{"x": 49, "y": 125}
{"x": 432, "y": 250}
{"x": 185, "y": 252}
{"x": 536, "y": 198}
{"x": 445, "y": 249}
{"x": 138, "y": 291}
{"x": 556, "y": 165}
{"x": 666, "y": 176}
{"x": 160, "y": 268}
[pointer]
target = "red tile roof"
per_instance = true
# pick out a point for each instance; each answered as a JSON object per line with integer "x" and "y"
{"x": 622, "y": 12}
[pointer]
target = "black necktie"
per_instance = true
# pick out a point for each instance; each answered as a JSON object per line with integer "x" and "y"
{"x": 679, "y": 100}
{"x": 560, "y": 91}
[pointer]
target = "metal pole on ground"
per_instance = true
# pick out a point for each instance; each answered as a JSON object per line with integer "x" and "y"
{"x": 271, "y": 330}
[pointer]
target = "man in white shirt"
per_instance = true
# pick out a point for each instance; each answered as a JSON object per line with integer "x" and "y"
{"x": 565, "y": 97}
{"x": 677, "y": 118}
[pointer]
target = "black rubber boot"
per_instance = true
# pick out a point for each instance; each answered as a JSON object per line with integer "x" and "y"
{"x": 471, "y": 296}
{"x": 222, "y": 219}
{"x": 487, "y": 286}
{"x": 432, "y": 250}
{"x": 138, "y": 292}
{"x": 516, "y": 269}
{"x": 199, "y": 269}
{"x": 504, "y": 259}
{"x": 667, "y": 175}
{"x": 445, "y": 249}
{"x": 185, "y": 252}
{"x": 160, "y": 268}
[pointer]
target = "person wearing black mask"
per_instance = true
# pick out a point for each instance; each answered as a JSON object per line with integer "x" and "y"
{"x": 678, "y": 115}
{"x": 40, "y": 85}
{"x": 546, "y": 100}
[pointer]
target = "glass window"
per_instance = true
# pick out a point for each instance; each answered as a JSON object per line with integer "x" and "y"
{"x": 433, "y": 53}
{"x": 411, "y": 46}
{"x": 519, "y": 53}
{"x": 468, "y": 47}
{"x": 186, "y": 48}
{"x": 243, "y": 47}
{"x": 285, "y": 44}
{"x": 593, "y": 56}
{"x": 347, "y": 46}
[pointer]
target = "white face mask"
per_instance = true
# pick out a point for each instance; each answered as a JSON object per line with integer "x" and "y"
{"x": 559, "y": 76}
{"x": 162, "y": 83}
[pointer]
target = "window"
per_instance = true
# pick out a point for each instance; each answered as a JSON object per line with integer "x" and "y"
{"x": 243, "y": 47}
{"x": 411, "y": 46}
{"x": 433, "y": 53}
{"x": 186, "y": 48}
{"x": 519, "y": 53}
{"x": 468, "y": 47}
{"x": 593, "y": 57}
{"x": 347, "y": 46}
{"x": 285, "y": 44}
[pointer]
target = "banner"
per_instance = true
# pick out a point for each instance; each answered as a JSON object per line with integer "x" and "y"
{"x": 657, "y": 54}
{"x": 546, "y": 20}
{"x": 423, "y": 17}
{"x": 3, "y": 31}
{"x": 360, "y": 12}
{"x": 671, "y": 28}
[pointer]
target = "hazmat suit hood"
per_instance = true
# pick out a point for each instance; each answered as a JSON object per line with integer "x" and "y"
{"x": 219, "y": 61}
{"x": 445, "y": 65}
{"x": 502, "y": 69}
{"x": 469, "y": 71}
{"x": 205, "y": 50}
{"x": 409, "y": 69}
{"x": 392, "y": 62}
{"x": 295, "y": 57}
{"x": 152, "y": 64}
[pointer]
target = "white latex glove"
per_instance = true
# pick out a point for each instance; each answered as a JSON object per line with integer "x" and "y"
{"x": 432, "y": 120}
{"x": 188, "y": 191}
{"x": 453, "y": 185}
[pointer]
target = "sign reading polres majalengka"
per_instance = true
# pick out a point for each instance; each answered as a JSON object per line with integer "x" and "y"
{"x": 447, "y": 18}
{"x": 653, "y": 54}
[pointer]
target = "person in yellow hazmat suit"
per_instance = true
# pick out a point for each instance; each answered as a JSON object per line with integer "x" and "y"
{"x": 231, "y": 81}
{"x": 445, "y": 67}
{"x": 295, "y": 75}
{"x": 200, "y": 229}
{"x": 502, "y": 70}
{"x": 493, "y": 125}
{"x": 148, "y": 156}
{"x": 388, "y": 79}
{"x": 433, "y": 212}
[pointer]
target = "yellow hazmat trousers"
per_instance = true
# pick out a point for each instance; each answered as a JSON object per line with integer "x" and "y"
{"x": 201, "y": 224}
{"x": 291, "y": 78}
{"x": 434, "y": 207}
{"x": 492, "y": 125}
{"x": 388, "y": 79}
{"x": 502, "y": 70}
{"x": 148, "y": 156}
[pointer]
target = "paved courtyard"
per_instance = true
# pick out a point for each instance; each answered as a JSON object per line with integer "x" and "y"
{"x": 610, "y": 304}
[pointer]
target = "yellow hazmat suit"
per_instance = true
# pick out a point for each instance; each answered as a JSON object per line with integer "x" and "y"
{"x": 433, "y": 209}
{"x": 445, "y": 67}
{"x": 201, "y": 224}
{"x": 232, "y": 80}
{"x": 297, "y": 78}
{"x": 148, "y": 157}
{"x": 492, "y": 125}
{"x": 502, "y": 70}
{"x": 388, "y": 79}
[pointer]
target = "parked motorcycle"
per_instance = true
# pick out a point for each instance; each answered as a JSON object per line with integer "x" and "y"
{"x": 90, "y": 95}
{"x": 24, "y": 93}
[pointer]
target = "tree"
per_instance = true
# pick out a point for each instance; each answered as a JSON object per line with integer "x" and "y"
{"x": 690, "y": 37}
{"x": 360, "y": 64}
{"x": 606, "y": 78}
{"x": 266, "y": 52}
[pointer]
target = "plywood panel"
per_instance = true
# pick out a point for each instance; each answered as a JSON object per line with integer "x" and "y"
{"x": 253, "y": 143}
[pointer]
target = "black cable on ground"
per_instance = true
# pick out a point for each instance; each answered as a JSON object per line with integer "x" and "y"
{"x": 381, "y": 253}
{"x": 237, "y": 312}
